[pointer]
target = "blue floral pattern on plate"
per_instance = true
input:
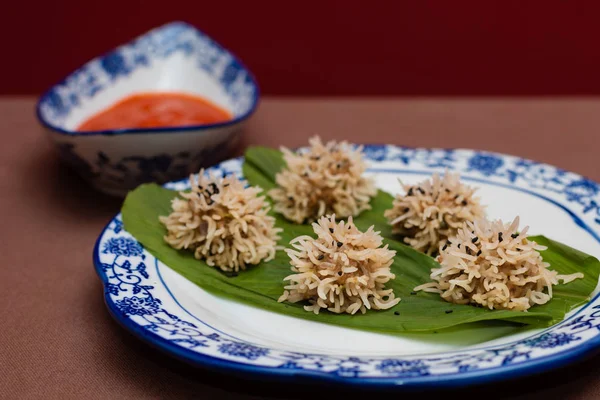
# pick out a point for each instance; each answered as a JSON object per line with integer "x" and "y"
{"x": 130, "y": 287}
{"x": 121, "y": 246}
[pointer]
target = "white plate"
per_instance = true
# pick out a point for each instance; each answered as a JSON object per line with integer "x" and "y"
{"x": 171, "y": 313}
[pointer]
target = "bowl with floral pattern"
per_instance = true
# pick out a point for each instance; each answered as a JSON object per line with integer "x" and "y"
{"x": 175, "y": 57}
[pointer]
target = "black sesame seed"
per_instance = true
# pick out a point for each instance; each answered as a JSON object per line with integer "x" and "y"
{"x": 396, "y": 313}
{"x": 421, "y": 190}
{"x": 445, "y": 247}
{"x": 518, "y": 249}
{"x": 479, "y": 253}
{"x": 339, "y": 273}
{"x": 459, "y": 245}
{"x": 225, "y": 185}
{"x": 339, "y": 244}
{"x": 320, "y": 257}
{"x": 410, "y": 192}
{"x": 413, "y": 293}
{"x": 464, "y": 203}
{"x": 500, "y": 236}
{"x": 290, "y": 198}
{"x": 514, "y": 235}
{"x": 331, "y": 230}
{"x": 447, "y": 190}
{"x": 200, "y": 187}
{"x": 449, "y": 311}
{"x": 474, "y": 240}
{"x": 456, "y": 197}
{"x": 406, "y": 209}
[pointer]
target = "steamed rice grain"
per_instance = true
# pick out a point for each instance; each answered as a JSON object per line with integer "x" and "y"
{"x": 222, "y": 222}
{"x": 432, "y": 211}
{"x": 493, "y": 265}
{"x": 343, "y": 270}
{"x": 325, "y": 179}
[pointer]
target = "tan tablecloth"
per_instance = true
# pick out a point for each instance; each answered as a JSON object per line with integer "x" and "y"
{"x": 56, "y": 337}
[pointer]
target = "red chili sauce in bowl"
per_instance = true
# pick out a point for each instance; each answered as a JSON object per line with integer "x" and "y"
{"x": 156, "y": 110}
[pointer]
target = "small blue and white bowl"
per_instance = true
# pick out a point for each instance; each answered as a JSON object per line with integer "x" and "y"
{"x": 174, "y": 57}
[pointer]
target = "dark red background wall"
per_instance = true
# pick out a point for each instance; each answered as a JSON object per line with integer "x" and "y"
{"x": 332, "y": 47}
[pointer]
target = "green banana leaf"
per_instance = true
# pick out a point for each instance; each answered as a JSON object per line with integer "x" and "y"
{"x": 261, "y": 285}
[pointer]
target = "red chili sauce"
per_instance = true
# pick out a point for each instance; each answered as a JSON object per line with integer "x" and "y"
{"x": 156, "y": 110}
